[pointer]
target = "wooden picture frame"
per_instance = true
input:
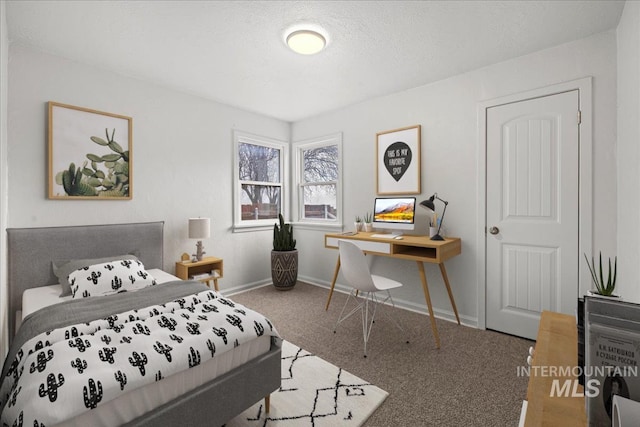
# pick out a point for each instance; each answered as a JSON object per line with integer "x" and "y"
{"x": 398, "y": 161}
{"x": 89, "y": 154}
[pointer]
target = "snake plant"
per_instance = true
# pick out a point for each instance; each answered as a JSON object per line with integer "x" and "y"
{"x": 283, "y": 236}
{"x": 602, "y": 287}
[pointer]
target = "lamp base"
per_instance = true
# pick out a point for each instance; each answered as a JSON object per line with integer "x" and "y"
{"x": 199, "y": 251}
{"x": 437, "y": 237}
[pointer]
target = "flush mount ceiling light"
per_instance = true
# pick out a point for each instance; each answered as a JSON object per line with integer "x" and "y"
{"x": 306, "y": 42}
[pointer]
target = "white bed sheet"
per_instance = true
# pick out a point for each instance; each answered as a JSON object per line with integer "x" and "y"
{"x": 36, "y": 298}
{"x": 137, "y": 402}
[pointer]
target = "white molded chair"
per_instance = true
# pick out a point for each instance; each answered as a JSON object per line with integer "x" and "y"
{"x": 356, "y": 270}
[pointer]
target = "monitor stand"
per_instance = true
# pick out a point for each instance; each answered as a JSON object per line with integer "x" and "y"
{"x": 388, "y": 233}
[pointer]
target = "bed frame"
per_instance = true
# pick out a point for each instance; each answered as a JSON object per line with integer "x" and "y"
{"x": 31, "y": 252}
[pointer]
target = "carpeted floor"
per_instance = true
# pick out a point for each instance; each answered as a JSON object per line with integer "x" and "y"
{"x": 470, "y": 381}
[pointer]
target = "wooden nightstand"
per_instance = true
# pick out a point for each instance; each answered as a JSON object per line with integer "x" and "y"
{"x": 186, "y": 269}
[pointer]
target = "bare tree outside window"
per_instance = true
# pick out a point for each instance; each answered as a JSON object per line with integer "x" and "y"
{"x": 321, "y": 164}
{"x": 319, "y": 186}
{"x": 260, "y": 178}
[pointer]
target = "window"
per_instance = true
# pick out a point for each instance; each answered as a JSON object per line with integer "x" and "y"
{"x": 318, "y": 171}
{"x": 260, "y": 178}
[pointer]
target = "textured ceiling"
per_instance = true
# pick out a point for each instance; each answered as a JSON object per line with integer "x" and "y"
{"x": 233, "y": 52}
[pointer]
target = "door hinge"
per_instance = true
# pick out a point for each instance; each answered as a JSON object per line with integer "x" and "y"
{"x": 579, "y": 116}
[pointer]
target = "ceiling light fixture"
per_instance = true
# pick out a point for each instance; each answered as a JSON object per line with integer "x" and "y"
{"x": 306, "y": 42}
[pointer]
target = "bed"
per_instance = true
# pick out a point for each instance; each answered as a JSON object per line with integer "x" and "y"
{"x": 208, "y": 393}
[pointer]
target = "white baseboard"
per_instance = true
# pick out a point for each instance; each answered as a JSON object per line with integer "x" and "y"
{"x": 244, "y": 288}
{"x": 400, "y": 303}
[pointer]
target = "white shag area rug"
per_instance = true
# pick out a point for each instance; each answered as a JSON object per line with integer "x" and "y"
{"x": 314, "y": 393}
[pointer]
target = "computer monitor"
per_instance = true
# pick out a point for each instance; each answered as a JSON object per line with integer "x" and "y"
{"x": 394, "y": 213}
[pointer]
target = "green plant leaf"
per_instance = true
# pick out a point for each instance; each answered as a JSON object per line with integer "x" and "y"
{"x": 111, "y": 157}
{"x": 115, "y": 147}
{"x": 111, "y": 193}
{"x": 85, "y": 190}
{"x": 597, "y": 275}
{"x": 99, "y": 140}
{"x": 94, "y": 182}
{"x": 67, "y": 182}
{"x": 122, "y": 167}
{"x": 94, "y": 158}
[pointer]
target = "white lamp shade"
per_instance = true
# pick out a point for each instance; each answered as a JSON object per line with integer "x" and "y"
{"x": 199, "y": 228}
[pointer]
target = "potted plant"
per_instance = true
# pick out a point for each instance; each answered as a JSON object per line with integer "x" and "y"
{"x": 284, "y": 256}
{"x": 358, "y": 223}
{"x": 368, "y": 226}
{"x": 597, "y": 276}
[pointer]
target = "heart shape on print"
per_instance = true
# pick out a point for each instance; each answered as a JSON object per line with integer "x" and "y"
{"x": 397, "y": 158}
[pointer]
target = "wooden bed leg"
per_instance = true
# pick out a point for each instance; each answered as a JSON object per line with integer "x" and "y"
{"x": 267, "y": 401}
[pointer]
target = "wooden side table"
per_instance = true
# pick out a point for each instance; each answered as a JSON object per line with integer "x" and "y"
{"x": 212, "y": 267}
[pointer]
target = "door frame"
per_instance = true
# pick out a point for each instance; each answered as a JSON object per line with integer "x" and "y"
{"x": 585, "y": 180}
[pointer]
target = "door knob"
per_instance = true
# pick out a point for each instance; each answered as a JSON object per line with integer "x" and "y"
{"x": 494, "y": 230}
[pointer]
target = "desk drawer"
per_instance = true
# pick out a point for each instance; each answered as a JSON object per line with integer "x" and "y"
{"x": 380, "y": 247}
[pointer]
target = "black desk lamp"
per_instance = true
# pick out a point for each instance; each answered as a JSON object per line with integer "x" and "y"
{"x": 428, "y": 204}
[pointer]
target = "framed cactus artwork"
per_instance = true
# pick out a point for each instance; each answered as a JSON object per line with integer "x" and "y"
{"x": 90, "y": 154}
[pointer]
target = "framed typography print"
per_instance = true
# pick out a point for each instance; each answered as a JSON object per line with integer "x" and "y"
{"x": 398, "y": 161}
{"x": 90, "y": 154}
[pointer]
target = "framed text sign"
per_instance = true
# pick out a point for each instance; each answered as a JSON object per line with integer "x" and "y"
{"x": 89, "y": 154}
{"x": 398, "y": 161}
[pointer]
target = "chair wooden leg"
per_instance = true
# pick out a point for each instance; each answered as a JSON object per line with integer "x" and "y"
{"x": 267, "y": 403}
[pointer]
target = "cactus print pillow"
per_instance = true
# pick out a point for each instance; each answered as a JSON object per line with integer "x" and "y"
{"x": 62, "y": 269}
{"x": 109, "y": 278}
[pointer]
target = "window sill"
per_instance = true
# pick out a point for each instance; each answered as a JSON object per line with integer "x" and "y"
{"x": 251, "y": 227}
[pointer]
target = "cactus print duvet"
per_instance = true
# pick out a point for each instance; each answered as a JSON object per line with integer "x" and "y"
{"x": 60, "y": 373}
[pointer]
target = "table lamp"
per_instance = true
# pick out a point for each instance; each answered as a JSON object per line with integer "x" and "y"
{"x": 428, "y": 204}
{"x": 199, "y": 228}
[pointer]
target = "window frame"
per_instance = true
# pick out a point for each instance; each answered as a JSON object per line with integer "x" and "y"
{"x": 298, "y": 149}
{"x": 240, "y": 137}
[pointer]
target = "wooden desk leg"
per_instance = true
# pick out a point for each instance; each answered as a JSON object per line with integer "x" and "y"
{"x": 215, "y": 285}
{"x": 333, "y": 282}
{"x": 446, "y": 282}
{"x": 267, "y": 403}
{"x": 425, "y": 288}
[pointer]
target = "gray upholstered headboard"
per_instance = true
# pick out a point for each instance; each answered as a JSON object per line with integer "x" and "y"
{"x": 32, "y": 250}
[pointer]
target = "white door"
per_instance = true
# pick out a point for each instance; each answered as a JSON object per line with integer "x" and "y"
{"x": 532, "y": 211}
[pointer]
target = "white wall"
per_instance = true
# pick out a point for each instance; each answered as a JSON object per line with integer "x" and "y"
{"x": 447, "y": 111}
{"x": 182, "y": 164}
{"x": 628, "y": 172}
{"x": 4, "y": 61}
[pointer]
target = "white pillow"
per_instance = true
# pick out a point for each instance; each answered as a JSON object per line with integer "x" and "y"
{"x": 62, "y": 269}
{"x": 109, "y": 278}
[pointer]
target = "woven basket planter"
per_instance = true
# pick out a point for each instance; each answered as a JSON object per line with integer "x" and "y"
{"x": 284, "y": 269}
